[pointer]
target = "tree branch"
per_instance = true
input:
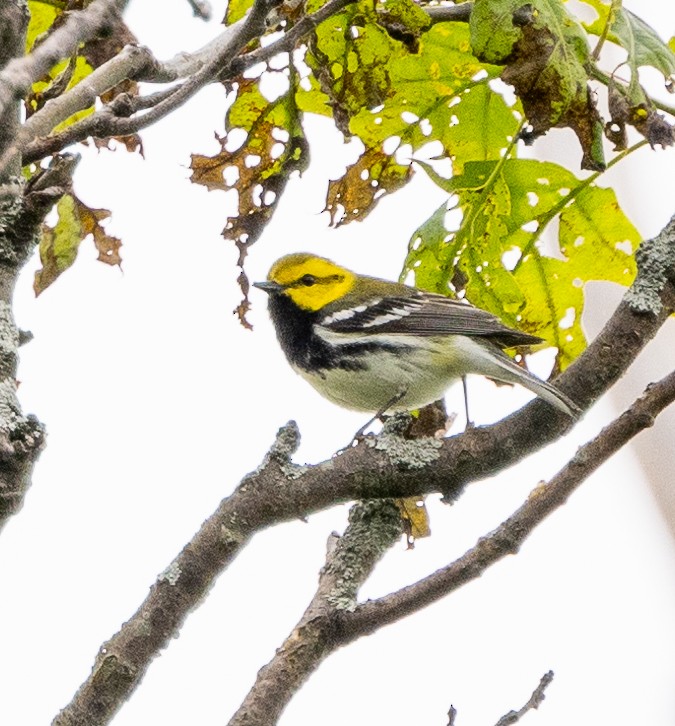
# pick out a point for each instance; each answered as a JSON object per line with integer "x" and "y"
{"x": 374, "y": 527}
{"x": 324, "y": 629}
{"x": 384, "y": 467}
{"x": 212, "y": 62}
{"x": 201, "y": 9}
{"x": 509, "y": 536}
{"x": 450, "y": 13}
{"x": 534, "y": 701}
{"x": 81, "y": 25}
{"x": 287, "y": 42}
{"x": 21, "y": 217}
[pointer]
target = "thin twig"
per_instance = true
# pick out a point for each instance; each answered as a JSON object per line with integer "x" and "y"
{"x": 201, "y": 9}
{"x": 449, "y": 13}
{"x": 289, "y": 40}
{"x": 374, "y": 527}
{"x": 535, "y": 700}
{"x": 611, "y": 14}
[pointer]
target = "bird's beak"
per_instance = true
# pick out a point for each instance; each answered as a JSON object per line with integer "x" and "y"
{"x": 268, "y": 286}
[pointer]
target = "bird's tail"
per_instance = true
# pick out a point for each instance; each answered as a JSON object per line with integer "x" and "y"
{"x": 499, "y": 366}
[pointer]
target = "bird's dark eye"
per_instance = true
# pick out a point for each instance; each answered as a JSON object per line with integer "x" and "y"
{"x": 308, "y": 280}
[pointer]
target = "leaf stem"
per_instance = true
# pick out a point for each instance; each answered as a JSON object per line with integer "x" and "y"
{"x": 611, "y": 15}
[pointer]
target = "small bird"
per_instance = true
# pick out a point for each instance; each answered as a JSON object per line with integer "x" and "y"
{"x": 378, "y": 346}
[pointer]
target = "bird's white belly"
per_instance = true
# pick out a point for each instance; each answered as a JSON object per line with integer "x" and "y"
{"x": 421, "y": 375}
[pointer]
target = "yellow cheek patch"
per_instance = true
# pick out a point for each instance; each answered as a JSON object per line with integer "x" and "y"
{"x": 330, "y": 280}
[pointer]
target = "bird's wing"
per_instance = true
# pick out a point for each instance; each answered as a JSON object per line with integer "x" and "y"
{"x": 423, "y": 314}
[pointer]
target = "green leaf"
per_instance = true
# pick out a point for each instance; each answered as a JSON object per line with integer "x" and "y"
{"x": 42, "y": 17}
{"x": 309, "y": 97}
{"x": 59, "y": 245}
{"x": 433, "y": 95}
{"x": 640, "y": 40}
{"x": 236, "y": 9}
{"x": 496, "y": 257}
{"x": 546, "y": 54}
{"x": 349, "y": 56}
{"x": 644, "y": 46}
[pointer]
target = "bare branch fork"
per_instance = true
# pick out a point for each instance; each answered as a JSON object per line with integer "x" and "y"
{"x": 331, "y": 622}
{"x": 382, "y": 468}
{"x": 217, "y": 61}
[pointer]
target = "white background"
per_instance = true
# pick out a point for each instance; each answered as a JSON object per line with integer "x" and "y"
{"x": 157, "y": 402}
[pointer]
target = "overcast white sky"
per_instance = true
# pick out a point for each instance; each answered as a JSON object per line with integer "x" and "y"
{"x": 157, "y": 402}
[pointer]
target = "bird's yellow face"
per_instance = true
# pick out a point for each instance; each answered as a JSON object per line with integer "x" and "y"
{"x": 311, "y": 282}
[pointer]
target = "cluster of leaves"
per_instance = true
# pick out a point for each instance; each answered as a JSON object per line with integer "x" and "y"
{"x": 495, "y": 253}
{"x": 394, "y": 76}
{"x": 409, "y": 83}
{"x": 75, "y": 220}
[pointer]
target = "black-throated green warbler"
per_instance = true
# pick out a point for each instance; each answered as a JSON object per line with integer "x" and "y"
{"x": 373, "y": 345}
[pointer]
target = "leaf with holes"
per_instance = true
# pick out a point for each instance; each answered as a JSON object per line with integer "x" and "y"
{"x": 496, "y": 256}
{"x": 546, "y": 54}
{"x": 433, "y": 96}
{"x": 258, "y": 169}
{"x": 364, "y": 183}
{"x": 350, "y": 54}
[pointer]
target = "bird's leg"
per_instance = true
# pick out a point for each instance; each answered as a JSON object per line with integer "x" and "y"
{"x": 358, "y": 436}
{"x": 469, "y": 422}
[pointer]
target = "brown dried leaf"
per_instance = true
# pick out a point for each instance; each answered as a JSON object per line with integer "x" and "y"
{"x": 631, "y": 106}
{"x": 274, "y": 148}
{"x": 354, "y": 196}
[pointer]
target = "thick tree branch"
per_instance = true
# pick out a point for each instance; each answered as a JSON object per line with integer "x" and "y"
{"x": 21, "y": 437}
{"x": 383, "y": 467}
{"x": 509, "y": 536}
{"x": 373, "y": 528}
{"x": 22, "y": 211}
{"x": 13, "y": 25}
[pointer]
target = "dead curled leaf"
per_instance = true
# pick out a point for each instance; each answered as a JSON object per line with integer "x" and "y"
{"x": 640, "y": 113}
{"x": 59, "y": 244}
{"x": 258, "y": 169}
